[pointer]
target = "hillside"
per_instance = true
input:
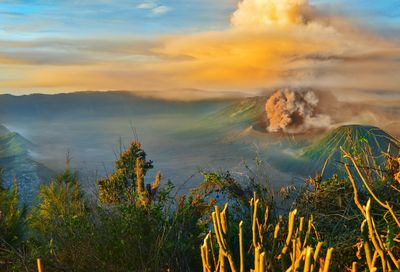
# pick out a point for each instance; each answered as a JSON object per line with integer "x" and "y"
{"x": 240, "y": 114}
{"x": 3, "y": 130}
{"x": 309, "y": 159}
{"x": 16, "y": 160}
{"x": 353, "y": 138}
{"x": 12, "y": 145}
{"x": 248, "y": 109}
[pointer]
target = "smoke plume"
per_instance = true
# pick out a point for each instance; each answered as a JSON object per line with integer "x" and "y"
{"x": 294, "y": 112}
{"x": 252, "y": 13}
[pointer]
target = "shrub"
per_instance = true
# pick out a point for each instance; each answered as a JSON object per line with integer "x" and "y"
{"x": 61, "y": 229}
{"x": 120, "y": 186}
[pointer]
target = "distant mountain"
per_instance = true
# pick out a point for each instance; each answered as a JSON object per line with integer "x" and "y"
{"x": 94, "y": 105}
{"x": 16, "y": 160}
{"x": 351, "y": 138}
{"x": 238, "y": 119}
{"x": 243, "y": 111}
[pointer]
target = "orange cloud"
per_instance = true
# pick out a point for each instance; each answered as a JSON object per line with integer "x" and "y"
{"x": 270, "y": 43}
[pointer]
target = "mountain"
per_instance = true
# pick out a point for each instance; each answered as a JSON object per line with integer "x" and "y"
{"x": 3, "y": 130}
{"x": 241, "y": 113}
{"x": 353, "y": 138}
{"x": 17, "y": 162}
{"x": 245, "y": 110}
{"x": 13, "y": 145}
{"x": 309, "y": 159}
{"x": 94, "y": 105}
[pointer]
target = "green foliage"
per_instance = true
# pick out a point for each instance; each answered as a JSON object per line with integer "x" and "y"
{"x": 12, "y": 225}
{"x": 60, "y": 227}
{"x": 188, "y": 225}
{"x": 239, "y": 189}
{"x": 156, "y": 233}
{"x": 163, "y": 234}
{"x": 333, "y": 203}
{"x": 60, "y": 199}
{"x": 135, "y": 226}
{"x": 336, "y": 216}
{"x": 126, "y": 237}
{"x": 12, "y": 217}
{"x": 120, "y": 186}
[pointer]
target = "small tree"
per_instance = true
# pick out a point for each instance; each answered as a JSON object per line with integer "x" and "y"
{"x": 60, "y": 224}
{"x": 130, "y": 169}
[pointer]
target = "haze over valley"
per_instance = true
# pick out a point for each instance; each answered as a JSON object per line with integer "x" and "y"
{"x": 184, "y": 138}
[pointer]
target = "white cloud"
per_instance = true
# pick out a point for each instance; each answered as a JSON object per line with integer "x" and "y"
{"x": 147, "y": 5}
{"x": 160, "y": 10}
{"x": 262, "y": 13}
{"x": 155, "y": 9}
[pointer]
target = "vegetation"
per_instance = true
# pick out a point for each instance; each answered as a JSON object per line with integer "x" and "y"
{"x": 365, "y": 238}
{"x": 332, "y": 224}
{"x": 127, "y": 180}
{"x": 274, "y": 248}
{"x": 12, "y": 225}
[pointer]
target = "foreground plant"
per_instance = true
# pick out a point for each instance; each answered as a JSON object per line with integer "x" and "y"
{"x": 12, "y": 226}
{"x": 272, "y": 248}
{"x": 377, "y": 244}
{"x": 128, "y": 178}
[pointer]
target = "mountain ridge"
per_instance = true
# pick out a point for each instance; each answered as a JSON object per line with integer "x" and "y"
{"x": 18, "y": 164}
{"x": 93, "y": 105}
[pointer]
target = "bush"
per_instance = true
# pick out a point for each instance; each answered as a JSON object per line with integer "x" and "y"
{"x": 12, "y": 227}
{"x": 136, "y": 227}
{"x": 159, "y": 236}
{"x": 61, "y": 227}
{"x": 121, "y": 185}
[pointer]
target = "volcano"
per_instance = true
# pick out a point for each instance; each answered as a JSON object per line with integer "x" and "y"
{"x": 353, "y": 138}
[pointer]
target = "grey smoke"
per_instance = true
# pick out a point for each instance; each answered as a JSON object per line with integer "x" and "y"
{"x": 294, "y": 112}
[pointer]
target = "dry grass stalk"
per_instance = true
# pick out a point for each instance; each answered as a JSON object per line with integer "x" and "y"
{"x": 367, "y": 185}
{"x": 295, "y": 246}
{"x": 368, "y": 227}
{"x": 39, "y": 265}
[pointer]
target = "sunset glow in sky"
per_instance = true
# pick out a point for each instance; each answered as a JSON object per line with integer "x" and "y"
{"x": 218, "y": 46}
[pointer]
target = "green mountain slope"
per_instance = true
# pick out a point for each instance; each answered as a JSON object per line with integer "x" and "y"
{"x": 3, "y": 130}
{"x": 354, "y": 138}
{"x": 240, "y": 114}
{"x": 16, "y": 160}
{"x": 310, "y": 160}
{"x": 246, "y": 110}
{"x": 12, "y": 144}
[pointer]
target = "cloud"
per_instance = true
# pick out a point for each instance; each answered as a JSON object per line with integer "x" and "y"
{"x": 154, "y": 8}
{"x": 259, "y": 13}
{"x": 147, "y": 5}
{"x": 161, "y": 10}
{"x": 269, "y": 44}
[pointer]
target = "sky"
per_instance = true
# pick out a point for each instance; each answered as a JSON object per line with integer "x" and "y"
{"x": 221, "y": 47}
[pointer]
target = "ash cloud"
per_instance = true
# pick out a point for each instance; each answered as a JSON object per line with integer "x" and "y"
{"x": 291, "y": 111}
{"x": 252, "y": 13}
